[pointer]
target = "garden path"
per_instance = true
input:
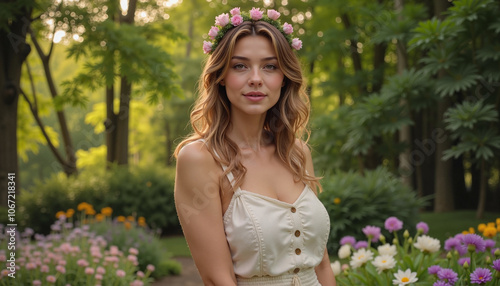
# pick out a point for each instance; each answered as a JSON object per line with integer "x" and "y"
{"x": 189, "y": 275}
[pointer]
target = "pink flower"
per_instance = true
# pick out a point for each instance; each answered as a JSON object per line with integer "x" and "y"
{"x": 236, "y": 20}
{"x": 101, "y": 270}
{"x": 120, "y": 273}
{"x": 133, "y": 251}
{"x": 89, "y": 270}
{"x": 82, "y": 263}
{"x": 393, "y": 224}
{"x": 256, "y": 14}
{"x": 222, "y": 20}
{"x": 150, "y": 267}
{"x": 51, "y": 279}
{"x": 3, "y": 257}
{"x": 140, "y": 274}
{"x": 37, "y": 283}
{"x": 113, "y": 250}
{"x": 287, "y": 28}
{"x": 61, "y": 262}
{"x": 98, "y": 277}
{"x": 207, "y": 47}
{"x": 137, "y": 283}
{"x": 235, "y": 11}
{"x": 44, "y": 268}
{"x": 132, "y": 258}
{"x": 30, "y": 265}
{"x": 423, "y": 227}
{"x": 213, "y": 32}
{"x": 296, "y": 44}
{"x": 61, "y": 269}
{"x": 273, "y": 14}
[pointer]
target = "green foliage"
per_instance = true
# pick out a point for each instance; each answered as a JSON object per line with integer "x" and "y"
{"x": 144, "y": 192}
{"x": 167, "y": 268}
{"x": 469, "y": 122}
{"x": 355, "y": 201}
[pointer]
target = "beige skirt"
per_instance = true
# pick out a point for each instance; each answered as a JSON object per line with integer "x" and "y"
{"x": 305, "y": 277}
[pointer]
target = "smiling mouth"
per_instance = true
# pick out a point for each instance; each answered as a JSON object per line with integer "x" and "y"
{"x": 254, "y": 94}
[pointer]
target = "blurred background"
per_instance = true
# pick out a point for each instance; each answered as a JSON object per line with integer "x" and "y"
{"x": 405, "y": 104}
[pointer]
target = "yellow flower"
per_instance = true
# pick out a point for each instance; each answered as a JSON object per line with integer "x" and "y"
{"x": 490, "y": 231}
{"x": 337, "y": 201}
{"x": 491, "y": 224}
{"x": 148, "y": 184}
{"x": 70, "y": 212}
{"x": 120, "y": 218}
{"x": 128, "y": 225}
{"x": 99, "y": 217}
{"x": 141, "y": 221}
{"x": 83, "y": 206}
{"x": 107, "y": 211}
{"x": 59, "y": 214}
{"x": 90, "y": 211}
{"x": 481, "y": 227}
{"x": 471, "y": 230}
{"x": 465, "y": 232}
{"x": 130, "y": 218}
{"x": 498, "y": 221}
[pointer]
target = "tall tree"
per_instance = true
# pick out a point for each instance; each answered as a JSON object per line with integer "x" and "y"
{"x": 14, "y": 23}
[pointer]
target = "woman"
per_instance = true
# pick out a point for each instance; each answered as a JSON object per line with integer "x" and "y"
{"x": 245, "y": 188}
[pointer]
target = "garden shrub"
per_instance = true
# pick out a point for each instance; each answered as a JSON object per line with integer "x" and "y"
{"x": 168, "y": 267}
{"x": 354, "y": 201}
{"x": 146, "y": 192}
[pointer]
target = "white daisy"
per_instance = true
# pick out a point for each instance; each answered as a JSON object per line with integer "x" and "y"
{"x": 404, "y": 278}
{"x": 387, "y": 249}
{"x": 360, "y": 257}
{"x": 427, "y": 244}
{"x": 384, "y": 262}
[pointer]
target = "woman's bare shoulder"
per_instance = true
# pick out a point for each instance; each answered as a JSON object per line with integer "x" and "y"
{"x": 195, "y": 153}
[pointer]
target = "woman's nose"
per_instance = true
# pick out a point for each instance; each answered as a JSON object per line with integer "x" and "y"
{"x": 255, "y": 78}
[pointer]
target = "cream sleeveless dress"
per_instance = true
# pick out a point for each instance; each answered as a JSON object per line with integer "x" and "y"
{"x": 273, "y": 242}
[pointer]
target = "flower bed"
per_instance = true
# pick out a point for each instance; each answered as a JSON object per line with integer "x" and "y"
{"x": 466, "y": 259}
{"x": 71, "y": 255}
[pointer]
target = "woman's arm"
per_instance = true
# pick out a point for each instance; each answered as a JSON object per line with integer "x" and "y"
{"x": 324, "y": 272}
{"x": 198, "y": 204}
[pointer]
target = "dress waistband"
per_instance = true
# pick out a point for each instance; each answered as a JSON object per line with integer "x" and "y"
{"x": 305, "y": 277}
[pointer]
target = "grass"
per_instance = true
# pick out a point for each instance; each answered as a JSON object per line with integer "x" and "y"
{"x": 176, "y": 246}
{"x": 444, "y": 225}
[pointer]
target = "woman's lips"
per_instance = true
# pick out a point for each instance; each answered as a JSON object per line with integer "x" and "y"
{"x": 254, "y": 96}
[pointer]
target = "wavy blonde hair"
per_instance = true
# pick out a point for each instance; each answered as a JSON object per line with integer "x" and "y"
{"x": 285, "y": 121}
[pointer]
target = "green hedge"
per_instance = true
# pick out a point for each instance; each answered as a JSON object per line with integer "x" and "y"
{"x": 146, "y": 192}
{"x": 355, "y": 201}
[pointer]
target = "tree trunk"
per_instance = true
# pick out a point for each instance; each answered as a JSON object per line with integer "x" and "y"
{"x": 110, "y": 125}
{"x": 482, "y": 190}
{"x": 13, "y": 52}
{"x": 122, "y": 121}
{"x": 443, "y": 185}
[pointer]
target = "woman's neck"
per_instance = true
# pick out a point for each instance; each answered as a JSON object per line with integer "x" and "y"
{"x": 248, "y": 132}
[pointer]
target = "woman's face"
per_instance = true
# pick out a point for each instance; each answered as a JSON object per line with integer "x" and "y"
{"x": 254, "y": 79}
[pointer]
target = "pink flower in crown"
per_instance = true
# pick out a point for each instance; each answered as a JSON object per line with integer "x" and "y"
{"x": 287, "y": 28}
{"x": 273, "y": 14}
{"x": 222, "y": 20}
{"x": 296, "y": 44}
{"x": 207, "y": 47}
{"x": 256, "y": 14}
{"x": 235, "y": 11}
{"x": 236, "y": 20}
{"x": 213, "y": 32}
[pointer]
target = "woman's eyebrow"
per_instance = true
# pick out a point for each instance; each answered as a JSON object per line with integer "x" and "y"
{"x": 246, "y": 59}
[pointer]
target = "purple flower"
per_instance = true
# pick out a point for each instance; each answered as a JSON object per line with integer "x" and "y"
{"x": 441, "y": 283}
{"x": 448, "y": 275}
{"x": 361, "y": 244}
{"x": 462, "y": 260}
{"x": 454, "y": 243}
{"x": 474, "y": 242}
{"x": 348, "y": 240}
{"x": 496, "y": 265}
{"x": 372, "y": 232}
{"x": 489, "y": 243}
{"x": 434, "y": 269}
{"x": 422, "y": 227}
{"x": 393, "y": 224}
{"x": 480, "y": 276}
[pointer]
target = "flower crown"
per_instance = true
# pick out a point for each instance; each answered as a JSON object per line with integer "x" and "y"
{"x": 224, "y": 23}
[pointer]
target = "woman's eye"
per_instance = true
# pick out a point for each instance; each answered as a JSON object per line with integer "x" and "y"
{"x": 239, "y": 66}
{"x": 270, "y": 67}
